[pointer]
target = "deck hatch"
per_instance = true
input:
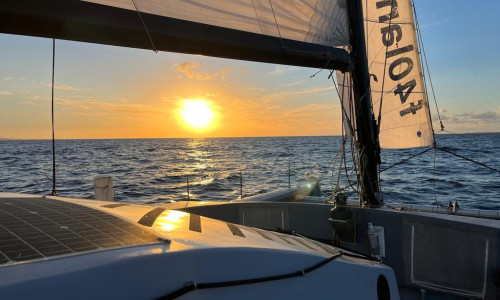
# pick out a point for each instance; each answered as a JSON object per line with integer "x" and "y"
{"x": 235, "y": 230}
{"x": 115, "y": 205}
{"x": 262, "y": 234}
{"x": 33, "y": 228}
{"x": 194, "y": 223}
{"x": 150, "y": 217}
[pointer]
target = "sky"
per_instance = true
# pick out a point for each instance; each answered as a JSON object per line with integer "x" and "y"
{"x": 114, "y": 92}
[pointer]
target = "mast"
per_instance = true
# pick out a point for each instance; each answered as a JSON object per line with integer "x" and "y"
{"x": 367, "y": 132}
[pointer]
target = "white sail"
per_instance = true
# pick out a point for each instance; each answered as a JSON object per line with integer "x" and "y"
{"x": 314, "y": 21}
{"x": 347, "y": 102}
{"x": 307, "y": 33}
{"x": 392, "y": 49}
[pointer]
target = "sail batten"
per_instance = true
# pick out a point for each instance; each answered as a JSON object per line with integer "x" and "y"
{"x": 392, "y": 49}
{"x": 116, "y": 22}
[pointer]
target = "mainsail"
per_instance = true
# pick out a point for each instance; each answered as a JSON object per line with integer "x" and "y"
{"x": 302, "y": 33}
{"x": 392, "y": 51}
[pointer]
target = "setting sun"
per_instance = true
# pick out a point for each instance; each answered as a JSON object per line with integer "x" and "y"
{"x": 197, "y": 114}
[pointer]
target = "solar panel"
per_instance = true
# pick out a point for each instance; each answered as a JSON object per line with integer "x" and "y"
{"x": 33, "y": 228}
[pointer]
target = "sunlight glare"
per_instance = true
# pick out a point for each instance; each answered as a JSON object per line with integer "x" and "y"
{"x": 197, "y": 114}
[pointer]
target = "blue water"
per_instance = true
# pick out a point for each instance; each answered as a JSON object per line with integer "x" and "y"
{"x": 156, "y": 170}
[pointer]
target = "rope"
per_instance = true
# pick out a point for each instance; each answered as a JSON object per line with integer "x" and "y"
{"x": 406, "y": 159}
{"x": 54, "y": 192}
{"x": 427, "y": 65}
{"x": 469, "y": 159}
{"x": 191, "y": 286}
{"x": 434, "y": 176}
{"x": 342, "y": 101}
{"x": 145, "y": 27}
{"x": 385, "y": 67}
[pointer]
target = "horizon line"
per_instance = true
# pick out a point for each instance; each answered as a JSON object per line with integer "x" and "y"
{"x": 212, "y": 137}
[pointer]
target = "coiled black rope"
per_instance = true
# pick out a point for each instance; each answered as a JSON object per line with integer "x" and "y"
{"x": 191, "y": 286}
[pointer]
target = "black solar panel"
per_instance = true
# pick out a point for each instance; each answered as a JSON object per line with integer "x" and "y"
{"x": 32, "y": 228}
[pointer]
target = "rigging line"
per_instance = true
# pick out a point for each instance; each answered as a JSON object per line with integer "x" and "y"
{"x": 342, "y": 102}
{"x": 385, "y": 67}
{"x": 469, "y": 159}
{"x": 145, "y": 27}
{"x": 355, "y": 161}
{"x": 406, "y": 159}
{"x": 54, "y": 192}
{"x": 448, "y": 131}
{"x": 433, "y": 177}
{"x": 326, "y": 65}
{"x": 340, "y": 163}
{"x": 334, "y": 159}
{"x": 419, "y": 33}
{"x": 333, "y": 169}
{"x": 277, "y": 26}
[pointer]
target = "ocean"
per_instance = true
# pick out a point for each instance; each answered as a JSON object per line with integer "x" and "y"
{"x": 152, "y": 171}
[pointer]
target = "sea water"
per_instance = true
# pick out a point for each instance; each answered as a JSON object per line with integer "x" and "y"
{"x": 153, "y": 171}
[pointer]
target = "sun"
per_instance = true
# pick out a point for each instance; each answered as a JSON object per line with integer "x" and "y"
{"x": 197, "y": 114}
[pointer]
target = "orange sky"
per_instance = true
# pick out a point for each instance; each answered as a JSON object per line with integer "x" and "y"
{"x": 113, "y": 92}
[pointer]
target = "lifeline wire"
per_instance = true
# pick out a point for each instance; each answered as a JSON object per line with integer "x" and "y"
{"x": 53, "y": 135}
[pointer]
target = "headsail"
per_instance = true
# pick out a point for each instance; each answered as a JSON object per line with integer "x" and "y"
{"x": 392, "y": 49}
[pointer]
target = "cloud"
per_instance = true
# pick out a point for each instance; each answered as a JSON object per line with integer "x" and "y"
{"x": 295, "y": 83}
{"x": 439, "y": 22}
{"x": 35, "y": 97}
{"x": 190, "y": 69}
{"x": 62, "y": 87}
{"x": 284, "y": 95}
{"x": 489, "y": 116}
{"x": 469, "y": 117}
{"x": 7, "y": 78}
{"x": 469, "y": 122}
{"x": 244, "y": 69}
{"x": 282, "y": 70}
{"x": 115, "y": 110}
{"x": 5, "y": 93}
{"x": 168, "y": 99}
